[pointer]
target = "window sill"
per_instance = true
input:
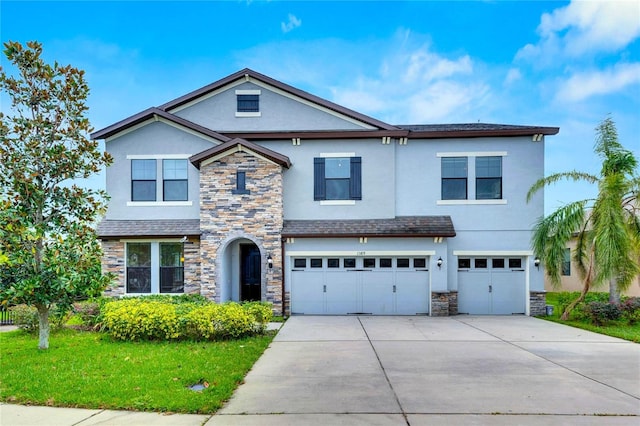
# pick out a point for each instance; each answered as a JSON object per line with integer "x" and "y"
{"x": 470, "y": 202}
{"x": 159, "y": 203}
{"x": 338, "y": 202}
{"x": 240, "y": 191}
{"x": 248, "y": 114}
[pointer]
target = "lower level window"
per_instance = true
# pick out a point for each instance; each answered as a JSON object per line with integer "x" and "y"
{"x": 155, "y": 267}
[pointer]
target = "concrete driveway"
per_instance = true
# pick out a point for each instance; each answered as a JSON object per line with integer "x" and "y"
{"x": 421, "y": 370}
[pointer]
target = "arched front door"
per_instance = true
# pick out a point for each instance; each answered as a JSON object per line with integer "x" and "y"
{"x": 250, "y": 272}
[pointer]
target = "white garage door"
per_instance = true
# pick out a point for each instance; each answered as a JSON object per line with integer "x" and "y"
{"x": 368, "y": 285}
{"x": 491, "y": 286}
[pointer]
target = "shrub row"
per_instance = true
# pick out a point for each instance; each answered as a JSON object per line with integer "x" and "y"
{"x": 153, "y": 319}
{"x": 597, "y": 309}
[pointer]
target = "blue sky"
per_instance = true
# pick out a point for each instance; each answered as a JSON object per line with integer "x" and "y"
{"x": 558, "y": 63}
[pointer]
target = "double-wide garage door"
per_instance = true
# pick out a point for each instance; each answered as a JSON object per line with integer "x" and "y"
{"x": 360, "y": 285}
{"x": 491, "y": 286}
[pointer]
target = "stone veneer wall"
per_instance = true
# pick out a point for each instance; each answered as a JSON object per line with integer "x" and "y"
{"x": 113, "y": 261}
{"x": 537, "y": 303}
{"x": 439, "y": 303}
{"x": 257, "y": 216}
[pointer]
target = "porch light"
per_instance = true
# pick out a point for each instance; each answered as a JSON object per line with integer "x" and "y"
{"x": 439, "y": 262}
{"x": 269, "y": 261}
{"x": 536, "y": 262}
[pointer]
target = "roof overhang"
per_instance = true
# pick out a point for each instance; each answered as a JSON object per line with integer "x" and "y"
{"x": 239, "y": 145}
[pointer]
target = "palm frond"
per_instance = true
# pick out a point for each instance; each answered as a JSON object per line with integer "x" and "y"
{"x": 556, "y": 177}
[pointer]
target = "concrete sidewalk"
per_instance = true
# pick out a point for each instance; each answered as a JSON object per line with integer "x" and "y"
{"x": 414, "y": 371}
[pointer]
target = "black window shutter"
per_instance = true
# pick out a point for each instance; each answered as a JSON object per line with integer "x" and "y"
{"x": 319, "y": 186}
{"x": 356, "y": 178}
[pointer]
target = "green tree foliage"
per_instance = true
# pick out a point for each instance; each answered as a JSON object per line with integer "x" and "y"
{"x": 607, "y": 228}
{"x": 51, "y": 254}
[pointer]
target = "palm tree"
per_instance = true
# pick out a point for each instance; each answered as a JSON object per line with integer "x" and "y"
{"x": 607, "y": 228}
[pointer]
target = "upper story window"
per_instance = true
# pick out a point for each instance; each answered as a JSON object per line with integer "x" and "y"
{"x": 454, "y": 178}
{"x": 175, "y": 180}
{"x": 337, "y": 178}
{"x": 488, "y": 178}
{"x": 566, "y": 263}
{"x": 143, "y": 180}
{"x": 241, "y": 184}
{"x": 248, "y": 103}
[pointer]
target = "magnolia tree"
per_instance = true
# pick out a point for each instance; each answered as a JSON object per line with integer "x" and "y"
{"x": 50, "y": 253}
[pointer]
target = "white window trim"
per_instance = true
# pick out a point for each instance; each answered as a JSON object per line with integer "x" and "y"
{"x": 159, "y": 203}
{"x": 159, "y": 156}
{"x": 337, "y": 154}
{"x": 337, "y": 202}
{"x": 248, "y": 92}
{"x": 490, "y": 253}
{"x": 249, "y": 114}
{"x": 155, "y": 264}
{"x": 473, "y": 154}
{"x": 470, "y": 202}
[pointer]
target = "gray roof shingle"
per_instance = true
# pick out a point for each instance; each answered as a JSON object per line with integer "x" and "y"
{"x": 149, "y": 228}
{"x": 403, "y": 226}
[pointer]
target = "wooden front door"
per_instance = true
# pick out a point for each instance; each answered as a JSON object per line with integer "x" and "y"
{"x": 250, "y": 272}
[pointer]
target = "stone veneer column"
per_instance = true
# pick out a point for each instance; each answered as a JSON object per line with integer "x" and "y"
{"x": 537, "y": 303}
{"x": 257, "y": 216}
{"x": 113, "y": 261}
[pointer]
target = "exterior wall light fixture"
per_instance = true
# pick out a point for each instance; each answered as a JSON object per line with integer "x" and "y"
{"x": 536, "y": 262}
{"x": 439, "y": 262}
{"x": 269, "y": 261}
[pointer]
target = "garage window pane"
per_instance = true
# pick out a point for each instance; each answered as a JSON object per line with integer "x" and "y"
{"x": 385, "y": 262}
{"x": 350, "y": 263}
{"x": 333, "y": 263}
{"x": 464, "y": 263}
{"x": 316, "y": 263}
{"x": 420, "y": 263}
{"x": 299, "y": 263}
{"x": 515, "y": 263}
{"x": 402, "y": 263}
{"x": 480, "y": 263}
{"x": 369, "y": 262}
{"x": 497, "y": 263}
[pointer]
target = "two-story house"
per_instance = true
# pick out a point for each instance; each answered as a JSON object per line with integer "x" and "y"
{"x": 250, "y": 189}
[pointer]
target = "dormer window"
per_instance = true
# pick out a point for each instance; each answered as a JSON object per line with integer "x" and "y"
{"x": 248, "y": 103}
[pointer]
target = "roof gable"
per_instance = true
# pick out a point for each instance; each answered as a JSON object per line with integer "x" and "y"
{"x": 248, "y": 75}
{"x": 239, "y": 145}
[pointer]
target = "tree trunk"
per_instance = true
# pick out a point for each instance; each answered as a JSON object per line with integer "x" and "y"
{"x": 614, "y": 293}
{"x": 43, "y": 323}
{"x": 572, "y": 305}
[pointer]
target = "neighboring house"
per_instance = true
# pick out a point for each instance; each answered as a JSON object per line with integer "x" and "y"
{"x": 570, "y": 279}
{"x": 250, "y": 189}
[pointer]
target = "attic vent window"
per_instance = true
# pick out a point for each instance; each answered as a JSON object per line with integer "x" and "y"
{"x": 248, "y": 103}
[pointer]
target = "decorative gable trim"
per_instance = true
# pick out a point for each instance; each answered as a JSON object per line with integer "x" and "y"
{"x": 239, "y": 145}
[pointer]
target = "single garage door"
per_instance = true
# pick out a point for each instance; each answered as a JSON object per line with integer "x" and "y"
{"x": 491, "y": 286}
{"x": 366, "y": 285}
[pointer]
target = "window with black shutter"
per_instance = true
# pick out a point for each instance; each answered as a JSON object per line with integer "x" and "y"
{"x": 337, "y": 178}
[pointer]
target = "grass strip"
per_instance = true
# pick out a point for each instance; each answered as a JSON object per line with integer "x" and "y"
{"x": 90, "y": 370}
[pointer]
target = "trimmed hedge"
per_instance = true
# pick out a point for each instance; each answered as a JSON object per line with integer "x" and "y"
{"x": 153, "y": 318}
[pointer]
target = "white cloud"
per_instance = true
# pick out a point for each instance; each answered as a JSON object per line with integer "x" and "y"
{"x": 583, "y": 85}
{"x": 291, "y": 24}
{"x": 513, "y": 75}
{"x": 585, "y": 27}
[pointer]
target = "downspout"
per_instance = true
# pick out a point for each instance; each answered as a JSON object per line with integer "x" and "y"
{"x": 282, "y": 242}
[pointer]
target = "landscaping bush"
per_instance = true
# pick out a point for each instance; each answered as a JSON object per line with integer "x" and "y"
{"x": 601, "y": 313}
{"x": 26, "y": 317}
{"x": 630, "y": 310}
{"x": 88, "y": 312}
{"x": 139, "y": 319}
{"x": 155, "y": 317}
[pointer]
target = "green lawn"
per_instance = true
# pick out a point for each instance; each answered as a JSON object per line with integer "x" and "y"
{"x": 89, "y": 370}
{"x": 614, "y": 328}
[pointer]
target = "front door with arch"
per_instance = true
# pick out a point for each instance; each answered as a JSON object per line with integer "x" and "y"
{"x": 250, "y": 273}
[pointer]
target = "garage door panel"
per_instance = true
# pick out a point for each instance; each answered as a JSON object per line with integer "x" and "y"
{"x": 377, "y": 292}
{"x": 508, "y": 293}
{"x": 307, "y": 292}
{"x": 473, "y": 293}
{"x": 341, "y": 293}
{"x": 412, "y": 292}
